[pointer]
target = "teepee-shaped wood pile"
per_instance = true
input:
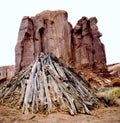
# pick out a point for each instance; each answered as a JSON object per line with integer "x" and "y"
{"x": 47, "y": 86}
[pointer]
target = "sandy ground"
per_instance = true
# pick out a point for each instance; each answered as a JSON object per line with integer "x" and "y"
{"x": 105, "y": 115}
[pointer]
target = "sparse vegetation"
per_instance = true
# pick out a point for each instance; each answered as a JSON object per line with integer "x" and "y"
{"x": 110, "y": 96}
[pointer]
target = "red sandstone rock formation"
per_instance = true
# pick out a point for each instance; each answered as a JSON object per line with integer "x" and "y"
{"x": 88, "y": 49}
{"x": 46, "y": 32}
{"x": 7, "y": 72}
{"x": 50, "y": 31}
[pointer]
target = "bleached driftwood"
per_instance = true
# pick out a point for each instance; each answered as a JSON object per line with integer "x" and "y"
{"x": 47, "y": 86}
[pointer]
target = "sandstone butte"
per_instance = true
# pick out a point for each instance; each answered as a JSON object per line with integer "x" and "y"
{"x": 78, "y": 47}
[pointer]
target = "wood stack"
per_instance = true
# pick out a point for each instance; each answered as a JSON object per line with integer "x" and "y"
{"x": 46, "y": 86}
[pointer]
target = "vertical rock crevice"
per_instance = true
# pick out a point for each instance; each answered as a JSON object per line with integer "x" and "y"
{"x": 41, "y": 32}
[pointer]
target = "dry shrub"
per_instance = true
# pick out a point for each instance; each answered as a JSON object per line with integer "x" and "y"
{"x": 110, "y": 96}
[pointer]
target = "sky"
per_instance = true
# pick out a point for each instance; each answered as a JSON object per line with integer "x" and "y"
{"x": 106, "y": 11}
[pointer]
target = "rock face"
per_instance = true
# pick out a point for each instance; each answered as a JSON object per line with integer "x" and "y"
{"x": 7, "y": 72}
{"x": 50, "y": 31}
{"x": 88, "y": 49}
{"x": 46, "y": 32}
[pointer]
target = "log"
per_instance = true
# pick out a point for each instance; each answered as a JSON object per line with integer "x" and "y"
{"x": 40, "y": 91}
{"x": 47, "y": 94}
